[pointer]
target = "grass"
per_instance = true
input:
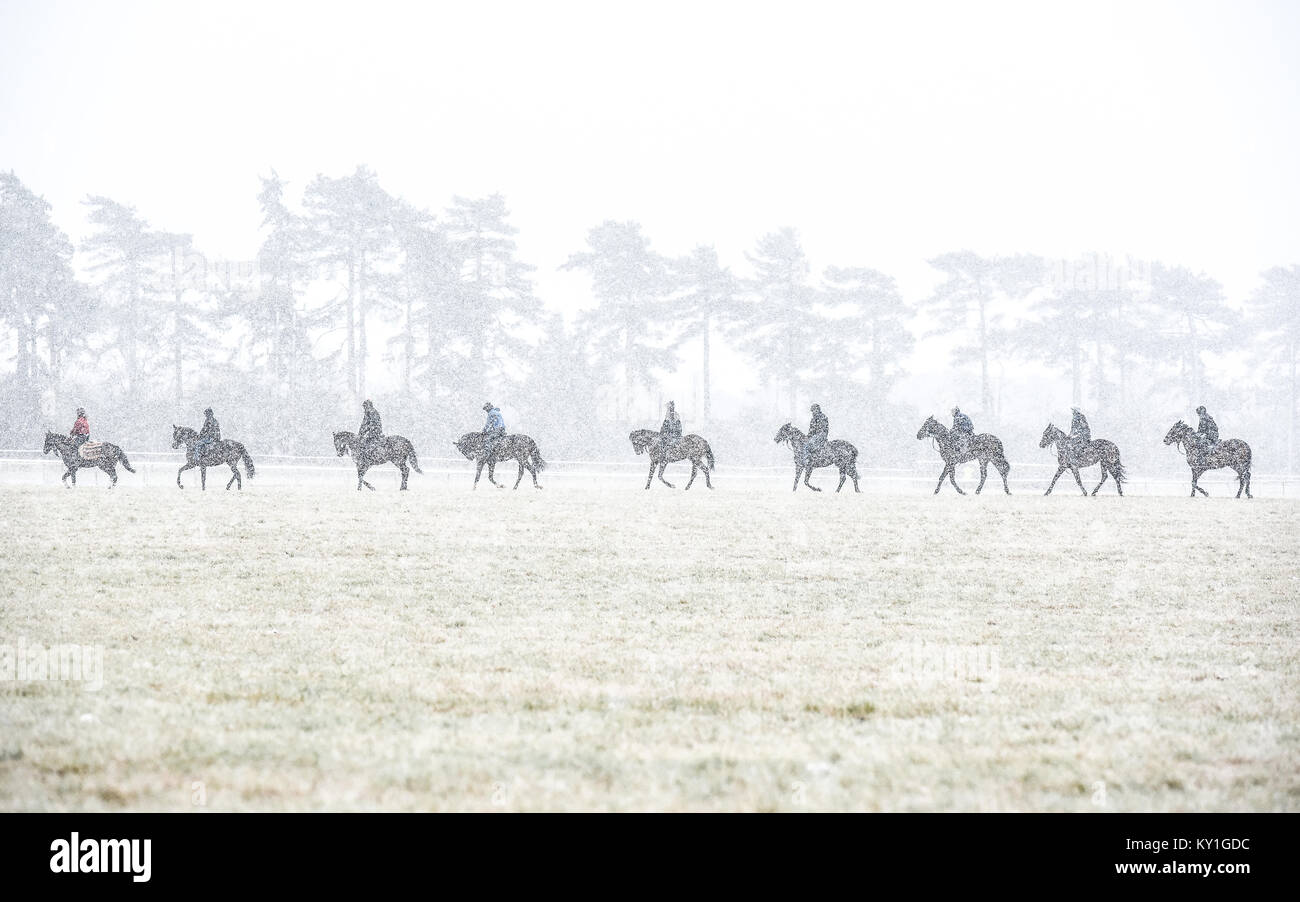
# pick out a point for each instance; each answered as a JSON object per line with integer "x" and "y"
{"x": 605, "y": 648}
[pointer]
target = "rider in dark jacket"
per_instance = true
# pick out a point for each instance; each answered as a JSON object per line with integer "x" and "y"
{"x": 372, "y": 429}
{"x": 1207, "y": 428}
{"x": 819, "y": 430}
{"x": 670, "y": 433}
{"x": 209, "y": 435}
{"x": 963, "y": 429}
{"x": 1080, "y": 434}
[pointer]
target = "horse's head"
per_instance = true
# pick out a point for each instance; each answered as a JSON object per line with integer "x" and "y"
{"x": 784, "y": 434}
{"x": 641, "y": 439}
{"x": 1177, "y": 433}
{"x": 183, "y": 435}
{"x": 1050, "y": 434}
{"x": 929, "y": 427}
{"x": 341, "y": 442}
{"x": 51, "y": 441}
{"x": 467, "y": 445}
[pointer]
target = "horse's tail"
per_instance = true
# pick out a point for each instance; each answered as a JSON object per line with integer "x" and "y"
{"x": 1117, "y": 470}
{"x": 708, "y": 452}
{"x": 121, "y": 457}
{"x": 415, "y": 463}
{"x": 248, "y": 461}
{"x": 536, "y": 455}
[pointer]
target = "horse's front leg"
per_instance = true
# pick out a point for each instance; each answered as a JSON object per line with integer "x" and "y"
{"x": 798, "y": 471}
{"x": 492, "y": 466}
{"x": 952, "y": 477}
{"x": 477, "y": 473}
{"x": 651, "y": 475}
{"x": 71, "y": 472}
{"x": 1079, "y": 480}
{"x": 663, "y": 466}
{"x": 361, "y": 475}
{"x": 188, "y": 466}
{"x": 807, "y": 475}
{"x": 942, "y": 476}
{"x": 1196, "y": 474}
{"x": 1052, "y": 484}
{"x": 203, "y": 478}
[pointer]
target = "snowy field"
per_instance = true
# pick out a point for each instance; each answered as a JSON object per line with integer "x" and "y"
{"x": 596, "y": 647}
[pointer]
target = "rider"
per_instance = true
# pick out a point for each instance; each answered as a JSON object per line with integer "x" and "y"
{"x": 494, "y": 430}
{"x": 1080, "y": 433}
{"x": 963, "y": 429}
{"x": 1207, "y": 429}
{"x": 670, "y": 433}
{"x": 819, "y": 429}
{"x": 209, "y": 435}
{"x": 80, "y": 429}
{"x": 372, "y": 430}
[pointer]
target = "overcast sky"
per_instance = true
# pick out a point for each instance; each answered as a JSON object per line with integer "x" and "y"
{"x": 886, "y": 133}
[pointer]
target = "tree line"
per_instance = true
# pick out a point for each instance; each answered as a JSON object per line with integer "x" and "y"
{"x": 138, "y": 324}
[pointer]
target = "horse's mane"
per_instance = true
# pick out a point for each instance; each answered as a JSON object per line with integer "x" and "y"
{"x": 185, "y": 431}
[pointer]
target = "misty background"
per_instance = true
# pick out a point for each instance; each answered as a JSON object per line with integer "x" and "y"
{"x": 581, "y": 211}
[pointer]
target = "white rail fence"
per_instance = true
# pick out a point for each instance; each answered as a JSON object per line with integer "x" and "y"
{"x": 158, "y": 468}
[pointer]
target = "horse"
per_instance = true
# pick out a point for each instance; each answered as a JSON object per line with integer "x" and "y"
{"x": 518, "y": 447}
{"x": 837, "y": 453}
{"x": 391, "y": 449}
{"x": 1232, "y": 453}
{"x": 1098, "y": 450}
{"x": 983, "y": 447}
{"x": 689, "y": 447}
{"x": 223, "y": 452}
{"x": 109, "y": 457}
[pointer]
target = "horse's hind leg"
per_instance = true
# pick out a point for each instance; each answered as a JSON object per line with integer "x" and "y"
{"x": 843, "y": 476}
{"x": 234, "y": 478}
{"x": 203, "y": 478}
{"x": 1103, "y": 480}
{"x": 405, "y": 473}
{"x": 694, "y": 467}
{"x": 854, "y": 473}
{"x": 520, "y": 477}
{"x": 984, "y": 474}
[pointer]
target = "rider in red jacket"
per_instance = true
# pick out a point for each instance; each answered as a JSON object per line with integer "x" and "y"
{"x": 81, "y": 429}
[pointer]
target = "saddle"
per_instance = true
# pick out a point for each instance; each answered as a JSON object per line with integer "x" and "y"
{"x": 91, "y": 450}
